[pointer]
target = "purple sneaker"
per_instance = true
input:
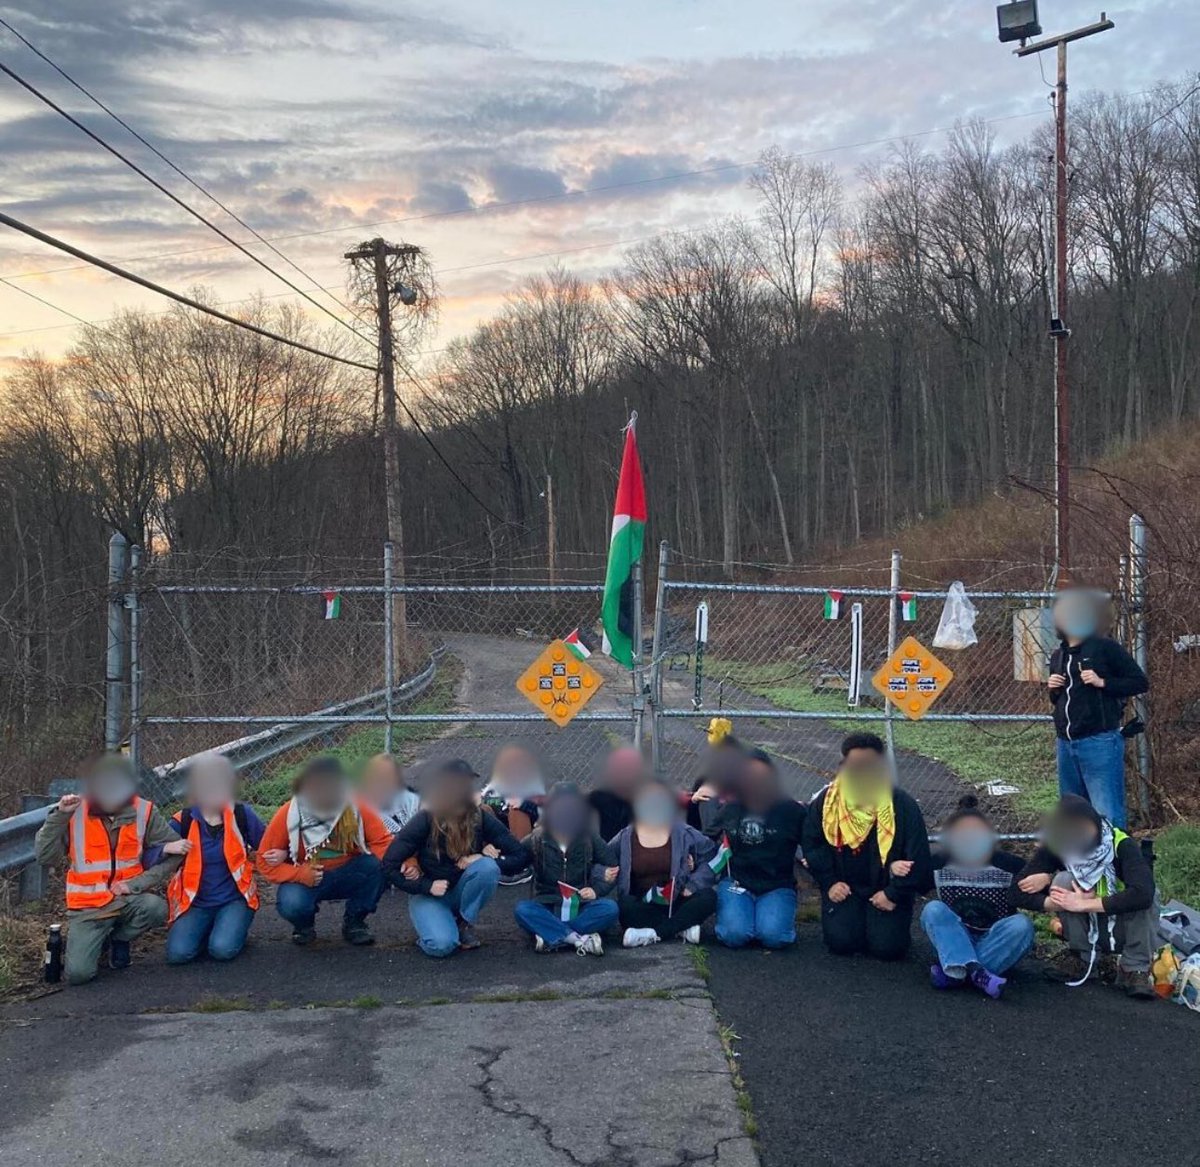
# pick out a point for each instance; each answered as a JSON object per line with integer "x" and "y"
{"x": 939, "y": 979}
{"x": 987, "y": 982}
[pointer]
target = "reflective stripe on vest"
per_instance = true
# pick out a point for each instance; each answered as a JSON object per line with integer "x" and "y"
{"x": 185, "y": 883}
{"x": 93, "y": 865}
{"x": 1102, "y": 888}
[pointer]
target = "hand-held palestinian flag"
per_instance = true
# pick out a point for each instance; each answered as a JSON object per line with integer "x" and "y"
{"x": 570, "y": 902}
{"x": 625, "y": 549}
{"x": 333, "y": 605}
{"x": 576, "y": 645}
{"x": 908, "y": 606}
{"x": 833, "y": 605}
{"x": 660, "y": 894}
{"x": 720, "y": 861}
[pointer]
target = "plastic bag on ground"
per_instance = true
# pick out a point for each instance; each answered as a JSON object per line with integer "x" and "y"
{"x": 956, "y": 629}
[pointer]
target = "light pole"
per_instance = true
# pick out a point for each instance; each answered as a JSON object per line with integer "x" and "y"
{"x": 1018, "y": 21}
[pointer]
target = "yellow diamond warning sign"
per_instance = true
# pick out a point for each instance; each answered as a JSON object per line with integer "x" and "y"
{"x": 558, "y": 683}
{"x": 912, "y": 679}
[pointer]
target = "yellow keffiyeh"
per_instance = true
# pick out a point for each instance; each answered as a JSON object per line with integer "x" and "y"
{"x": 847, "y": 824}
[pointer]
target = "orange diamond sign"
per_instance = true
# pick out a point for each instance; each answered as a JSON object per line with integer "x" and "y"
{"x": 912, "y": 679}
{"x": 558, "y": 683}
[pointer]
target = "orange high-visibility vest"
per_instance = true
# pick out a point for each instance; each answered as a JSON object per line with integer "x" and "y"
{"x": 93, "y": 866}
{"x": 185, "y": 883}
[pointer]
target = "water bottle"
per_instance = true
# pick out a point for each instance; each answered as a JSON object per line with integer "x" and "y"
{"x": 54, "y": 955}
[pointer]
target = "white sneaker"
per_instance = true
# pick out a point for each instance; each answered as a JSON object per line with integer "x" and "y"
{"x": 691, "y": 935}
{"x": 590, "y": 945}
{"x": 639, "y": 937}
{"x": 539, "y": 945}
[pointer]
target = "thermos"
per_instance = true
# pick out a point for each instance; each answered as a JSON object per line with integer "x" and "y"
{"x": 54, "y": 955}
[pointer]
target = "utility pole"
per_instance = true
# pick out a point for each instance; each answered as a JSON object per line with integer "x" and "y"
{"x": 1059, "y": 330}
{"x": 380, "y": 254}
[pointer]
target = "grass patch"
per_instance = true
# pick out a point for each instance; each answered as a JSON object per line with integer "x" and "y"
{"x": 1177, "y": 870}
{"x": 699, "y": 955}
{"x": 366, "y": 1002}
{"x": 221, "y": 1005}
{"x": 505, "y": 998}
{"x": 741, "y": 1095}
{"x": 1022, "y": 755}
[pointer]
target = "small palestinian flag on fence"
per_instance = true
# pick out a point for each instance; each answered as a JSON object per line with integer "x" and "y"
{"x": 572, "y": 641}
{"x": 833, "y": 605}
{"x": 570, "y": 902}
{"x": 908, "y": 606}
{"x": 720, "y": 861}
{"x": 333, "y": 605}
{"x": 664, "y": 894}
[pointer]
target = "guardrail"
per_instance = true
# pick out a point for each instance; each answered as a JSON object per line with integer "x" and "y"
{"x": 248, "y": 754}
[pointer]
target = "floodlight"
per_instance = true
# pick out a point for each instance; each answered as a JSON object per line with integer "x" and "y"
{"x": 1018, "y": 21}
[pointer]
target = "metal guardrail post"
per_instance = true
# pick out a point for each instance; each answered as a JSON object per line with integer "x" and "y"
{"x": 114, "y": 667}
{"x": 389, "y": 634}
{"x": 133, "y": 602}
{"x": 1141, "y": 651}
{"x": 33, "y": 877}
{"x": 660, "y": 623}
{"x": 893, "y": 612}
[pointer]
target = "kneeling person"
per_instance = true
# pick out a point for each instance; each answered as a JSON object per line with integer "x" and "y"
{"x": 325, "y": 844}
{"x": 573, "y": 870}
{"x": 111, "y": 881}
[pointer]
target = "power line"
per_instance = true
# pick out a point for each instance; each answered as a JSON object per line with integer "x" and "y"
{"x": 179, "y": 298}
{"x": 175, "y": 198}
{"x": 42, "y": 300}
{"x": 159, "y": 154}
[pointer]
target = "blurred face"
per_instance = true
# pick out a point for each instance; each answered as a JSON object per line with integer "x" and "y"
{"x": 867, "y": 776}
{"x": 515, "y": 768}
{"x": 623, "y": 771}
{"x": 566, "y": 816}
{"x": 382, "y": 779}
{"x": 109, "y": 786}
{"x": 723, "y": 767}
{"x": 759, "y": 785}
{"x": 448, "y": 793}
{"x": 1069, "y": 836}
{"x": 970, "y": 842}
{"x": 326, "y": 794}
{"x": 1077, "y": 614}
{"x": 655, "y": 807}
{"x": 211, "y": 783}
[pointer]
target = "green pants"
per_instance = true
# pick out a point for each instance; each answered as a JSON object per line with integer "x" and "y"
{"x": 86, "y": 935}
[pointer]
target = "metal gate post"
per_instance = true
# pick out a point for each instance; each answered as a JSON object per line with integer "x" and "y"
{"x": 114, "y": 660}
{"x": 893, "y": 602}
{"x": 660, "y": 618}
{"x": 1141, "y": 651}
{"x": 639, "y": 684}
{"x": 389, "y": 656}
{"x": 133, "y": 602}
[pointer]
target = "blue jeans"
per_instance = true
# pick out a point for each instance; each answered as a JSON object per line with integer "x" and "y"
{"x": 436, "y": 917}
{"x": 1094, "y": 768}
{"x": 224, "y": 930}
{"x": 997, "y": 949}
{"x": 539, "y": 920}
{"x": 358, "y": 881}
{"x": 742, "y": 916}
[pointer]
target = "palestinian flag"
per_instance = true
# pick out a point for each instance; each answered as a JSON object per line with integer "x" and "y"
{"x": 663, "y": 894}
{"x": 720, "y": 861}
{"x": 576, "y": 645}
{"x": 625, "y": 549}
{"x": 833, "y": 605}
{"x": 333, "y": 605}
{"x": 570, "y": 902}
{"x": 908, "y": 606}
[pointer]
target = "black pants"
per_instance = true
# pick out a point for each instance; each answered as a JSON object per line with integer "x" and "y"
{"x": 855, "y": 925}
{"x": 687, "y": 912}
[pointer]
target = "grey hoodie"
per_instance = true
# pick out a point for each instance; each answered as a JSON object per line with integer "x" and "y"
{"x": 686, "y": 843}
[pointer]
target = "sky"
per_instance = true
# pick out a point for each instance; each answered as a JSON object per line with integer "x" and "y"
{"x": 501, "y": 135}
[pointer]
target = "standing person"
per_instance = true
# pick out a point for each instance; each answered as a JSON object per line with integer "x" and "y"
{"x": 1097, "y": 878}
{"x": 977, "y": 933}
{"x": 719, "y": 776}
{"x": 111, "y": 881}
{"x": 387, "y": 791}
{"x": 1091, "y": 678}
{"x": 763, "y": 827}
{"x": 612, "y": 800}
{"x": 866, "y": 845}
{"x": 664, "y": 881}
{"x": 331, "y": 843}
{"x": 461, "y": 851}
{"x": 513, "y": 794}
{"x": 212, "y": 898}
{"x": 573, "y": 870}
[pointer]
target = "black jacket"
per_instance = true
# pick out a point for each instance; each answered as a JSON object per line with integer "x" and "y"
{"x": 582, "y": 865}
{"x": 861, "y": 867}
{"x": 763, "y": 845}
{"x": 1131, "y": 867}
{"x": 415, "y": 839}
{"x": 1082, "y": 710}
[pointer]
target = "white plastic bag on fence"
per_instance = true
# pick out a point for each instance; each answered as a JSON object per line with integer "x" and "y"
{"x": 956, "y": 628}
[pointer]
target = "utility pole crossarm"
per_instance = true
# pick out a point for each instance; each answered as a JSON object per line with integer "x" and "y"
{"x": 1077, "y": 34}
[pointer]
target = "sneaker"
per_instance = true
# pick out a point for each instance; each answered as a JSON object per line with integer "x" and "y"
{"x": 539, "y": 945}
{"x": 304, "y": 936}
{"x": 639, "y": 937}
{"x": 356, "y": 932}
{"x": 1066, "y": 969}
{"x": 467, "y": 937}
{"x": 518, "y": 879}
{"x": 691, "y": 935}
{"x": 939, "y": 978}
{"x": 120, "y": 954}
{"x": 987, "y": 982}
{"x": 1137, "y": 983}
{"x": 590, "y": 945}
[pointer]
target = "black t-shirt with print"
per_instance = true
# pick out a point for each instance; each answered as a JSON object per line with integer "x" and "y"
{"x": 763, "y": 845}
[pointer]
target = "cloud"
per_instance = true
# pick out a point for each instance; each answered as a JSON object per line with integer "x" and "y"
{"x": 512, "y": 183}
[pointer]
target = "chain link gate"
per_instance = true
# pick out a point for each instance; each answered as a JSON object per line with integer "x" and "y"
{"x": 781, "y": 672}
